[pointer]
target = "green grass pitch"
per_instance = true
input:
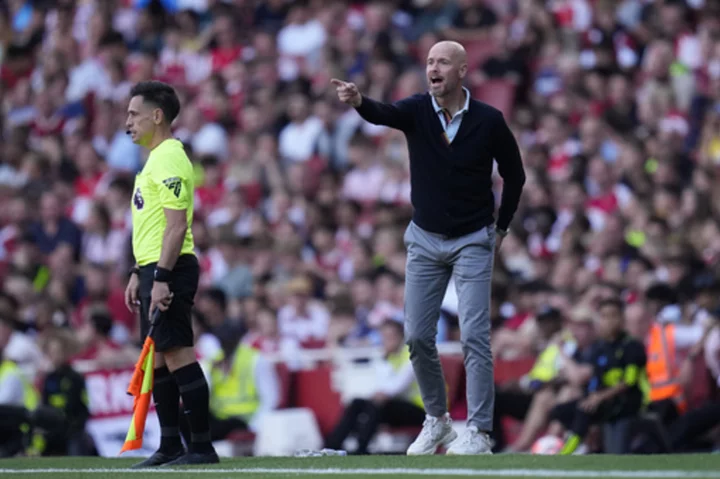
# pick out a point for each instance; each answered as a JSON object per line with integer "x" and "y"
{"x": 697, "y": 466}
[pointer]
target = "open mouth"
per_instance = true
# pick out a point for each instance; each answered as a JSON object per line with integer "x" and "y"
{"x": 436, "y": 80}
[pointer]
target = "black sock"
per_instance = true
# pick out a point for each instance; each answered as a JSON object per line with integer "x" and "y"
{"x": 167, "y": 406}
{"x": 196, "y": 400}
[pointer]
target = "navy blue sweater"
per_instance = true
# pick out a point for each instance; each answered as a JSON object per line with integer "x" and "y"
{"x": 452, "y": 183}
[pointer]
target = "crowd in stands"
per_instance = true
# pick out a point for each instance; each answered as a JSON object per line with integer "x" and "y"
{"x": 301, "y": 206}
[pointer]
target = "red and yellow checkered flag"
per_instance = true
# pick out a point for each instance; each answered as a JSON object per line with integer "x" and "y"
{"x": 140, "y": 387}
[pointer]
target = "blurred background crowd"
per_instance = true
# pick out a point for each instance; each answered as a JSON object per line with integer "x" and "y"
{"x": 301, "y": 205}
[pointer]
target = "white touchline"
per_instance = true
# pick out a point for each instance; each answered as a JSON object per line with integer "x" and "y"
{"x": 656, "y": 474}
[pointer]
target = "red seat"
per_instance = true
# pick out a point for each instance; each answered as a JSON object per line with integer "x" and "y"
{"x": 699, "y": 391}
{"x": 453, "y": 370}
{"x": 240, "y": 435}
{"x": 285, "y": 377}
{"x": 513, "y": 369}
{"x": 478, "y": 51}
{"x": 497, "y": 93}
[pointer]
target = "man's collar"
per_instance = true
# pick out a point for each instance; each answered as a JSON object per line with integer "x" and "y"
{"x": 465, "y": 107}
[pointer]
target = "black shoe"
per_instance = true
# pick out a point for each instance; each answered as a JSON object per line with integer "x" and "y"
{"x": 195, "y": 458}
{"x": 158, "y": 459}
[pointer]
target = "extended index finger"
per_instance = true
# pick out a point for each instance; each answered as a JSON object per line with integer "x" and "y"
{"x": 337, "y": 82}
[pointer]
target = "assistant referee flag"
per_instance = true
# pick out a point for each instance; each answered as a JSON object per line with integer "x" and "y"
{"x": 141, "y": 388}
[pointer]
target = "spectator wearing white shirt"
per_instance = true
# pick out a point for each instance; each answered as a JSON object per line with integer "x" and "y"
{"x": 300, "y": 42}
{"x": 206, "y": 138}
{"x": 303, "y": 318}
{"x": 395, "y": 401}
{"x": 101, "y": 244}
{"x": 365, "y": 181}
{"x": 298, "y": 141}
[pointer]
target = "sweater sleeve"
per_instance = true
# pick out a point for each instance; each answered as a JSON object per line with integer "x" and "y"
{"x": 507, "y": 154}
{"x": 398, "y": 115}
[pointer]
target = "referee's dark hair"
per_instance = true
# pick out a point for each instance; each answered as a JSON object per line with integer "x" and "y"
{"x": 160, "y": 94}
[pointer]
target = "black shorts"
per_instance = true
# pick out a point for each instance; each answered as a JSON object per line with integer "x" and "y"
{"x": 174, "y": 326}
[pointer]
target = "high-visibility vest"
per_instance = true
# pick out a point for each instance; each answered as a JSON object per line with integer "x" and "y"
{"x": 31, "y": 398}
{"x": 234, "y": 394}
{"x": 546, "y": 365}
{"x": 398, "y": 361}
{"x": 662, "y": 369}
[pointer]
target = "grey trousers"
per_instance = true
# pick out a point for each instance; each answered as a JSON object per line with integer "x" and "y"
{"x": 431, "y": 260}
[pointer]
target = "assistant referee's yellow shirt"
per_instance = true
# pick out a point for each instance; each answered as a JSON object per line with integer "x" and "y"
{"x": 166, "y": 181}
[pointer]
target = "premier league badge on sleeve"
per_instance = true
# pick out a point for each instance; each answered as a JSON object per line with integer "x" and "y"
{"x": 138, "y": 199}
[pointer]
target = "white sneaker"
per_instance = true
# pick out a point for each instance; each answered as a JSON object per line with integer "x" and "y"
{"x": 436, "y": 431}
{"x": 470, "y": 443}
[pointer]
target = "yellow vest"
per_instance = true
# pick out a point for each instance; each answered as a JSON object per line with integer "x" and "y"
{"x": 31, "y": 398}
{"x": 398, "y": 361}
{"x": 234, "y": 394}
{"x": 546, "y": 365}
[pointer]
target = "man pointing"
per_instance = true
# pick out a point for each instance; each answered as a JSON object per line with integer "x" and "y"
{"x": 453, "y": 140}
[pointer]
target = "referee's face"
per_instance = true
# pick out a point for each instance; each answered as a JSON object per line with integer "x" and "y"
{"x": 142, "y": 120}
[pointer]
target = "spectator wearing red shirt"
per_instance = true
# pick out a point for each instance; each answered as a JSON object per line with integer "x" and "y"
{"x": 47, "y": 120}
{"x": 99, "y": 351}
{"x": 100, "y": 293}
{"x": 210, "y": 193}
{"x": 226, "y": 48}
{"x": 264, "y": 335}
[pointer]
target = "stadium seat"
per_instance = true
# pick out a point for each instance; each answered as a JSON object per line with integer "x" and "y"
{"x": 700, "y": 390}
{"x": 513, "y": 369}
{"x": 285, "y": 377}
{"x": 453, "y": 369}
{"x": 478, "y": 52}
{"x": 498, "y": 93}
{"x": 242, "y": 442}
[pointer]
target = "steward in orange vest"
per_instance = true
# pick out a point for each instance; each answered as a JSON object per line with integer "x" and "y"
{"x": 663, "y": 369}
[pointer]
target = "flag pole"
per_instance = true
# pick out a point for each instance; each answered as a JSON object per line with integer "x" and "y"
{"x": 141, "y": 386}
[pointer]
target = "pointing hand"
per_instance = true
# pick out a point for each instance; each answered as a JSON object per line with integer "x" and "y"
{"x": 347, "y": 92}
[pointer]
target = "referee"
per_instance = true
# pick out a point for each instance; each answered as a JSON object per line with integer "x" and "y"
{"x": 166, "y": 274}
{"x": 453, "y": 140}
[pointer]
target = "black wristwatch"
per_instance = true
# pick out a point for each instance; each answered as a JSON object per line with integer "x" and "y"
{"x": 134, "y": 271}
{"x": 162, "y": 275}
{"x": 501, "y": 233}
